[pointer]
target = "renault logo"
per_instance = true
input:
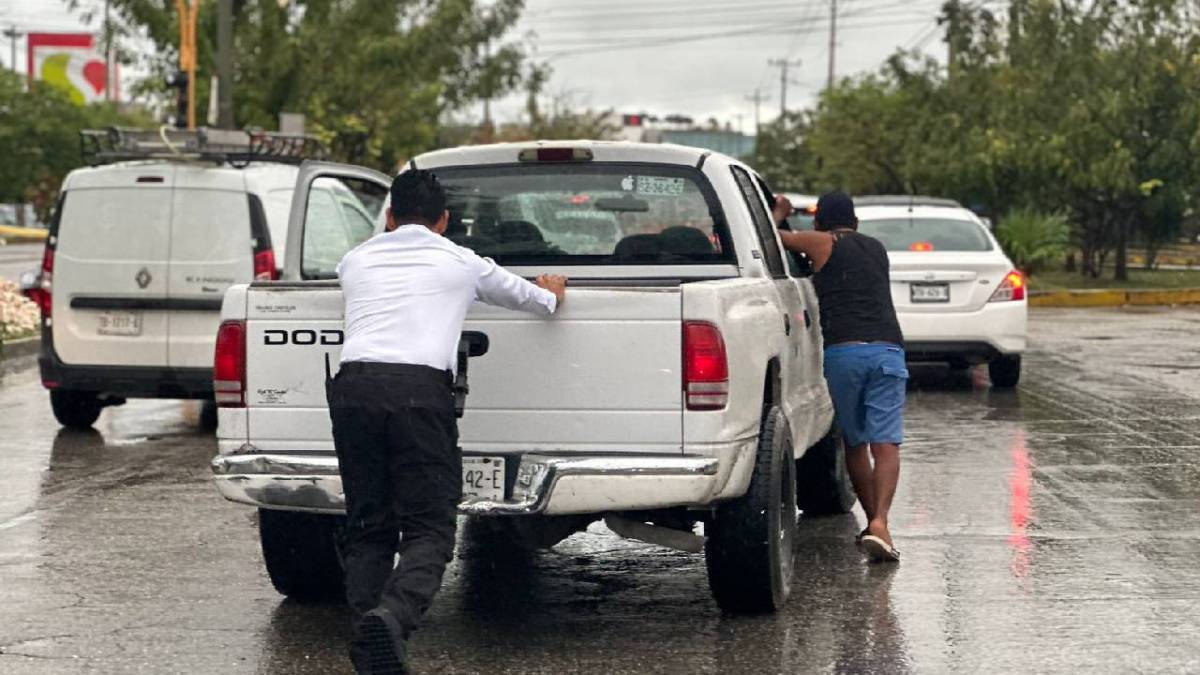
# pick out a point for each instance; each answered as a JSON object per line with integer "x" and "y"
{"x": 143, "y": 278}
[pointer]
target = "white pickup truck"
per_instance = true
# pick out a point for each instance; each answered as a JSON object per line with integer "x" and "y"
{"x": 679, "y": 384}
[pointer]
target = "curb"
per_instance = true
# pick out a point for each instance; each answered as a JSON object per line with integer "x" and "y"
{"x": 1115, "y": 298}
{"x": 22, "y": 235}
{"x": 15, "y": 349}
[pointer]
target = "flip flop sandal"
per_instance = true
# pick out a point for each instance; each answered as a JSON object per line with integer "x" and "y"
{"x": 859, "y": 537}
{"x": 878, "y": 550}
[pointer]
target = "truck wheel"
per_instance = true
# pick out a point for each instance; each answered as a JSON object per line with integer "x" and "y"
{"x": 75, "y": 409}
{"x": 749, "y": 551}
{"x": 1005, "y": 371}
{"x": 300, "y": 551}
{"x": 823, "y": 484}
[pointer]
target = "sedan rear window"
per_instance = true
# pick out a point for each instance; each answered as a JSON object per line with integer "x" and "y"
{"x": 927, "y": 234}
{"x": 586, "y": 214}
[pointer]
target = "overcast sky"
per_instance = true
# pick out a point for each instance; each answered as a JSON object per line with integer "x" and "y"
{"x": 701, "y": 58}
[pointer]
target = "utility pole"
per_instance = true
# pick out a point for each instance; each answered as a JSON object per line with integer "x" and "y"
{"x": 13, "y": 35}
{"x": 108, "y": 52}
{"x": 783, "y": 65}
{"x": 225, "y": 64}
{"x": 832, "y": 43}
{"x": 757, "y": 99}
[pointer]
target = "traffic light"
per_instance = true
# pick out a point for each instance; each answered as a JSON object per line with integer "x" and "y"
{"x": 179, "y": 82}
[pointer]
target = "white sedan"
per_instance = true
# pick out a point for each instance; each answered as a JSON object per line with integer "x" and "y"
{"x": 960, "y": 300}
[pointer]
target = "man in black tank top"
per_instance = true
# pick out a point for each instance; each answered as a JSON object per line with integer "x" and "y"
{"x": 864, "y": 355}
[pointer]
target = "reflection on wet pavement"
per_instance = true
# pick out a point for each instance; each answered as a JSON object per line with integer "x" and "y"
{"x": 1050, "y": 529}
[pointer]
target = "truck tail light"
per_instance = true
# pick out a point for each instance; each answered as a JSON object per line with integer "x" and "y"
{"x": 264, "y": 266}
{"x": 229, "y": 365}
{"x": 41, "y": 294}
{"x": 1012, "y": 288}
{"x": 705, "y": 367}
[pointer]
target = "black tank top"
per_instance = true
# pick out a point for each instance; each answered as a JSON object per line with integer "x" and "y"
{"x": 855, "y": 293}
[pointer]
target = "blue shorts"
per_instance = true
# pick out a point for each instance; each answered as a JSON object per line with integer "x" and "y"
{"x": 866, "y": 383}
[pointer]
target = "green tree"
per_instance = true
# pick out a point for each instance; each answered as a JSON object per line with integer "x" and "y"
{"x": 373, "y": 77}
{"x": 1089, "y": 108}
{"x": 39, "y": 139}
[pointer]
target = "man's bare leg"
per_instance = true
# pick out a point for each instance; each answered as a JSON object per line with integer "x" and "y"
{"x": 858, "y": 465}
{"x": 886, "y": 476}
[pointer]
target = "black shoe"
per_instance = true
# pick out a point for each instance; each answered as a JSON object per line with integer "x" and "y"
{"x": 377, "y": 648}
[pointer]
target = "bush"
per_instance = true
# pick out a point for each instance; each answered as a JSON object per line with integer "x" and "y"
{"x": 19, "y": 316}
{"x": 1032, "y": 238}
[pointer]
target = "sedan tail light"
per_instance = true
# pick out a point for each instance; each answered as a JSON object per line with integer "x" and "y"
{"x": 705, "y": 367}
{"x": 1012, "y": 288}
{"x": 229, "y": 365}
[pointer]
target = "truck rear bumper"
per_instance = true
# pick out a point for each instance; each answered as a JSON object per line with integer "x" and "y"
{"x": 543, "y": 484}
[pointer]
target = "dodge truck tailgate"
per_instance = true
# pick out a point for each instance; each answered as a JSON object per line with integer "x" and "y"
{"x": 560, "y": 384}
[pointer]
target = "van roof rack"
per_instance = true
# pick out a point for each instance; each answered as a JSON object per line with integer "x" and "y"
{"x": 905, "y": 200}
{"x": 221, "y": 146}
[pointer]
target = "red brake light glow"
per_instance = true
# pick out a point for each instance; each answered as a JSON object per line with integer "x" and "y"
{"x": 264, "y": 266}
{"x": 555, "y": 155}
{"x": 1012, "y": 288}
{"x": 229, "y": 365}
{"x": 705, "y": 367}
{"x": 41, "y": 294}
{"x": 921, "y": 246}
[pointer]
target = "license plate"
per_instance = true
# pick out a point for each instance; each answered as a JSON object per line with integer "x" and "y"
{"x": 930, "y": 292}
{"x": 483, "y": 478}
{"x": 119, "y": 323}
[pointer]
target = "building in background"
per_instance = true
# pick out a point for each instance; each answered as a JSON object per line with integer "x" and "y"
{"x": 72, "y": 62}
{"x": 683, "y": 130}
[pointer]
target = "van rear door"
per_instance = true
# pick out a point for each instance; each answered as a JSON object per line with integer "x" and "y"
{"x": 211, "y": 249}
{"x": 111, "y": 272}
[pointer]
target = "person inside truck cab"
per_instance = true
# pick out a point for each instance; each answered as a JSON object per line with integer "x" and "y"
{"x": 407, "y": 291}
{"x": 864, "y": 355}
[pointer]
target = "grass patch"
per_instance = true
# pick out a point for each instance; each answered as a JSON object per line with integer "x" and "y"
{"x": 1055, "y": 280}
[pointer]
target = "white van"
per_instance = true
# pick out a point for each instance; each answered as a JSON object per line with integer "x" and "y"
{"x": 136, "y": 264}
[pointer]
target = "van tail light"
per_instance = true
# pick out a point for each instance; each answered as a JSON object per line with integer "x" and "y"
{"x": 229, "y": 365}
{"x": 264, "y": 266}
{"x": 705, "y": 367}
{"x": 41, "y": 294}
{"x": 1012, "y": 288}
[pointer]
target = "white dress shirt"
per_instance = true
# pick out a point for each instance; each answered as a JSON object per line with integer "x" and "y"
{"x": 407, "y": 293}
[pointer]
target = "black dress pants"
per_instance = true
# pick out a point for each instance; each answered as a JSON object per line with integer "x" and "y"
{"x": 397, "y": 447}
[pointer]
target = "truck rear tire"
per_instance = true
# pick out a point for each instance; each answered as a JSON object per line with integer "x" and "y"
{"x": 823, "y": 484}
{"x": 749, "y": 549}
{"x": 300, "y": 552}
{"x": 1005, "y": 371}
{"x": 75, "y": 409}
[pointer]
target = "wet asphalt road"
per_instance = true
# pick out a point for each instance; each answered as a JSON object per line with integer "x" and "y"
{"x": 1051, "y": 529}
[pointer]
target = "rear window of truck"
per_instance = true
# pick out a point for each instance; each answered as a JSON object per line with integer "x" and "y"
{"x": 587, "y": 214}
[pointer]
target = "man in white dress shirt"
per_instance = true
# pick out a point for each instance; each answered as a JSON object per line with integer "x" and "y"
{"x": 407, "y": 292}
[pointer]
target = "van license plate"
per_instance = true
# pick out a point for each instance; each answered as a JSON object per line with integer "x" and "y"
{"x": 930, "y": 293}
{"x": 119, "y": 323}
{"x": 483, "y": 478}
